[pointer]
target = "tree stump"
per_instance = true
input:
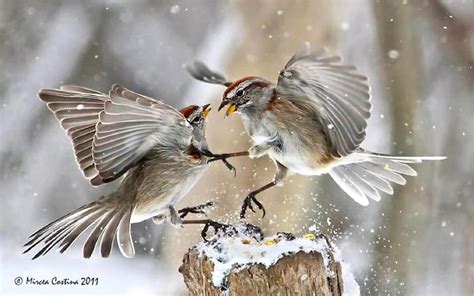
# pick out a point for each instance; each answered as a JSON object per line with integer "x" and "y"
{"x": 278, "y": 265}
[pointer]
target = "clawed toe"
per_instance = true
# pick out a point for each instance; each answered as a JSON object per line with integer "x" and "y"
{"x": 248, "y": 205}
{"x": 225, "y": 228}
{"x": 229, "y": 166}
{"x": 199, "y": 209}
{"x": 223, "y": 158}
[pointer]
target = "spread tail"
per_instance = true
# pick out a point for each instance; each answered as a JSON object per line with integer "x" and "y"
{"x": 371, "y": 173}
{"x": 109, "y": 220}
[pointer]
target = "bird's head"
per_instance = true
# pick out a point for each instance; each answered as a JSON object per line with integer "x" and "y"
{"x": 245, "y": 94}
{"x": 196, "y": 116}
{"x": 242, "y": 96}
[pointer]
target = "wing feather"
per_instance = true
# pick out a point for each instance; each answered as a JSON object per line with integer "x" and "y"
{"x": 130, "y": 126}
{"x": 340, "y": 95}
{"x": 110, "y": 133}
{"x": 77, "y": 109}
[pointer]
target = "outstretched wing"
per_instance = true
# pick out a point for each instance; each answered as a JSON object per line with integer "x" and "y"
{"x": 339, "y": 94}
{"x": 200, "y": 71}
{"x": 77, "y": 109}
{"x": 131, "y": 125}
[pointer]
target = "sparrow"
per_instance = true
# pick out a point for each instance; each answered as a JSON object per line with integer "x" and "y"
{"x": 312, "y": 122}
{"x": 156, "y": 151}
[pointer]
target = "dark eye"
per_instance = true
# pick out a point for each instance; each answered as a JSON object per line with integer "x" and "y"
{"x": 239, "y": 93}
{"x": 197, "y": 119}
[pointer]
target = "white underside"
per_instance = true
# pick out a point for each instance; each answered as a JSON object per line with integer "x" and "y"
{"x": 296, "y": 162}
{"x": 175, "y": 196}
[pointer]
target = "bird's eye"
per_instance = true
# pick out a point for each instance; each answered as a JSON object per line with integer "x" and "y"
{"x": 239, "y": 93}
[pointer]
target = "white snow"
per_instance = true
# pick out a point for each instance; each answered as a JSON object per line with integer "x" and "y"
{"x": 393, "y": 54}
{"x": 238, "y": 252}
{"x": 351, "y": 287}
{"x": 175, "y": 9}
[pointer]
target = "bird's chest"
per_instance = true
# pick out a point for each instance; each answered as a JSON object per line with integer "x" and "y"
{"x": 297, "y": 145}
{"x": 163, "y": 185}
{"x": 289, "y": 150}
{"x": 261, "y": 130}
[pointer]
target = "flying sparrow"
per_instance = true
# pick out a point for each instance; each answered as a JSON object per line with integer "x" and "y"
{"x": 159, "y": 151}
{"x": 312, "y": 122}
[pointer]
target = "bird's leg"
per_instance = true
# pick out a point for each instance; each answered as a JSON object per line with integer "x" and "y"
{"x": 251, "y": 197}
{"x": 199, "y": 209}
{"x": 175, "y": 219}
{"x": 227, "y": 155}
{"x": 169, "y": 215}
{"x": 223, "y": 157}
{"x": 257, "y": 151}
{"x": 227, "y": 229}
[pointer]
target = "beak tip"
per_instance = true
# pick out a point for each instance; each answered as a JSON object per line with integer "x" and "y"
{"x": 222, "y": 105}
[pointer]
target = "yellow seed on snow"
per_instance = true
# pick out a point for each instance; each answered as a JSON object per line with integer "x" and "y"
{"x": 269, "y": 242}
{"x": 309, "y": 236}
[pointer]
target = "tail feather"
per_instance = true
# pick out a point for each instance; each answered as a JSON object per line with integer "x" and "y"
{"x": 348, "y": 186}
{"x": 373, "y": 179}
{"x": 57, "y": 227}
{"x": 107, "y": 217}
{"x": 404, "y": 159}
{"x": 54, "y": 238}
{"x": 93, "y": 238}
{"x": 371, "y": 172}
{"x": 367, "y": 188}
{"x": 53, "y": 242}
{"x": 124, "y": 237}
{"x": 55, "y": 222}
{"x": 78, "y": 228}
{"x": 383, "y": 171}
{"x": 109, "y": 234}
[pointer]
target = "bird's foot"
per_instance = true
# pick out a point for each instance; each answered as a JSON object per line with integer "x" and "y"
{"x": 286, "y": 235}
{"x": 248, "y": 205}
{"x": 199, "y": 209}
{"x": 226, "y": 229}
{"x": 323, "y": 236}
{"x": 175, "y": 219}
{"x": 159, "y": 219}
{"x": 222, "y": 157}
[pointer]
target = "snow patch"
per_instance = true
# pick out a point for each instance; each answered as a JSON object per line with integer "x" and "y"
{"x": 239, "y": 252}
{"x": 351, "y": 287}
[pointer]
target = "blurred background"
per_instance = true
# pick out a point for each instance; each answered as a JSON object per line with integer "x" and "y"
{"x": 418, "y": 55}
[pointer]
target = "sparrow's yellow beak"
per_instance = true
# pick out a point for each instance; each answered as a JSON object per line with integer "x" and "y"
{"x": 206, "y": 110}
{"x": 231, "y": 109}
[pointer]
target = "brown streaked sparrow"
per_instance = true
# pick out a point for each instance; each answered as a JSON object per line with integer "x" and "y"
{"x": 312, "y": 122}
{"x": 160, "y": 152}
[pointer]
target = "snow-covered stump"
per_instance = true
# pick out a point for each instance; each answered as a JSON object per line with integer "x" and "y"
{"x": 243, "y": 264}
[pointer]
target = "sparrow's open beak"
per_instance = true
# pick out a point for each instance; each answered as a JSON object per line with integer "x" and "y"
{"x": 205, "y": 110}
{"x": 231, "y": 109}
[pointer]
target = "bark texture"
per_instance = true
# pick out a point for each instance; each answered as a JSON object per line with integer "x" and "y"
{"x": 295, "y": 274}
